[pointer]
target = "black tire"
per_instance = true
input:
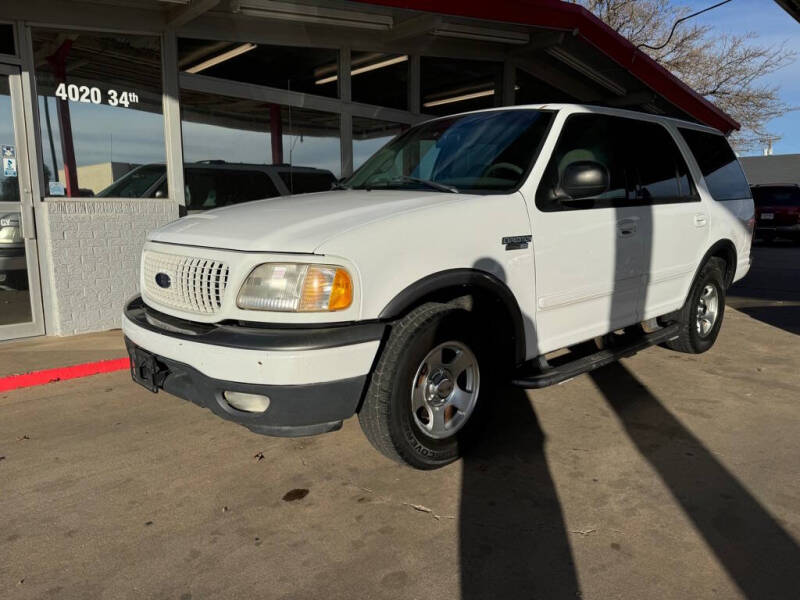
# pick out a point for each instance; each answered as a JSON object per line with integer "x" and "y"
{"x": 690, "y": 340}
{"x": 386, "y": 415}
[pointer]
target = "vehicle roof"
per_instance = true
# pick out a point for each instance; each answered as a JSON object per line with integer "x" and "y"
{"x": 590, "y": 108}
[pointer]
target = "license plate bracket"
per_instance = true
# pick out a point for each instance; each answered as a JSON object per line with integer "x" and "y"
{"x": 146, "y": 371}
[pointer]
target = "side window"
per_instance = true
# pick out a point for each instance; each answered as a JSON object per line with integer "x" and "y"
{"x": 662, "y": 175}
{"x": 597, "y": 138}
{"x": 721, "y": 170}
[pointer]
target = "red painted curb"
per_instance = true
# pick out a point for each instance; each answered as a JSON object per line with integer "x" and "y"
{"x": 14, "y": 382}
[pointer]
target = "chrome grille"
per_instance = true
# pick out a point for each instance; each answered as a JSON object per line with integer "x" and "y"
{"x": 196, "y": 285}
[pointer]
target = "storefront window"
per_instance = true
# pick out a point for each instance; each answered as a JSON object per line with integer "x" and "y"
{"x": 370, "y": 135}
{"x": 380, "y": 79}
{"x": 99, "y": 106}
{"x": 452, "y": 86}
{"x": 236, "y": 150}
{"x": 306, "y": 70}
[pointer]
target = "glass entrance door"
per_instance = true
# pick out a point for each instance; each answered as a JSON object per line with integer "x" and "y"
{"x": 20, "y": 297}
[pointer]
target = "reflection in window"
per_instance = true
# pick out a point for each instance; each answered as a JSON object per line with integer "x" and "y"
{"x": 99, "y": 106}
{"x": 281, "y": 150}
{"x": 370, "y": 135}
{"x": 307, "y": 70}
{"x": 453, "y": 86}
{"x": 9, "y": 185}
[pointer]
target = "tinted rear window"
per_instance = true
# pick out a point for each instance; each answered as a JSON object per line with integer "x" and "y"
{"x": 776, "y": 196}
{"x": 721, "y": 170}
{"x": 299, "y": 182}
{"x": 212, "y": 188}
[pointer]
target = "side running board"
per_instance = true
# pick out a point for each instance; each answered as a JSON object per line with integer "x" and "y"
{"x": 562, "y": 368}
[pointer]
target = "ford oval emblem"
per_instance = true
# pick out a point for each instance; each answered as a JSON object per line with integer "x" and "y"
{"x": 163, "y": 280}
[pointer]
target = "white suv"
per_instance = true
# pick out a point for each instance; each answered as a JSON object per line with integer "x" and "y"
{"x": 462, "y": 255}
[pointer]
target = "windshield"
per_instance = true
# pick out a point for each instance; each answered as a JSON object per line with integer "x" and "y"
{"x": 776, "y": 196}
{"x": 486, "y": 152}
{"x": 135, "y": 183}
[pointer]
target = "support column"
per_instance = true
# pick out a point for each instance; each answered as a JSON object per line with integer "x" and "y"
{"x": 173, "y": 139}
{"x": 58, "y": 61}
{"x": 414, "y": 83}
{"x": 346, "y": 118}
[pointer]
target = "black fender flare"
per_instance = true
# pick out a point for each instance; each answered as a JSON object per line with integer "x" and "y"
{"x": 452, "y": 279}
{"x": 721, "y": 247}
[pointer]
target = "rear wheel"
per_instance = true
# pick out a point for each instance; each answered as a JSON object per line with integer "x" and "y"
{"x": 701, "y": 316}
{"x": 422, "y": 406}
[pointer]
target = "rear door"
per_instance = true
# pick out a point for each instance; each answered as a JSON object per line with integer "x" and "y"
{"x": 678, "y": 223}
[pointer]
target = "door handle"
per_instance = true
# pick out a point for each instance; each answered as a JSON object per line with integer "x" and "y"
{"x": 700, "y": 220}
{"x": 626, "y": 227}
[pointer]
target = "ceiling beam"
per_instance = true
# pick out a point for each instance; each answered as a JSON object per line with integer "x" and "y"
{"x": 414, "y": 27}
{"x": 189, "y": 12}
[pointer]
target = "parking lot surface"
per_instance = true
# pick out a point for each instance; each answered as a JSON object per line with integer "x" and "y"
{"x": 665, "y": 476}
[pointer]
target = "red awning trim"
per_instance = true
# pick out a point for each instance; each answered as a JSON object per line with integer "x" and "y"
{"x": 555, "y": 14}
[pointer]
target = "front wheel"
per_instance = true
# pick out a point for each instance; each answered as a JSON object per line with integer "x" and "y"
{"x": 422, "y": 404}
{"x": 701, "y": 316}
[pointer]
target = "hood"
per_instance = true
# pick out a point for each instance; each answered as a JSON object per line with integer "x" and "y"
{"x": 293, "y": 223}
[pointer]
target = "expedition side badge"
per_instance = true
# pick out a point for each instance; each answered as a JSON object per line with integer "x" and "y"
{"x": 517, "y": 242}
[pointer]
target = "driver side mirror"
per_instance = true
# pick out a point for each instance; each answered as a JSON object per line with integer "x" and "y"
{"x": 584, "y": 179}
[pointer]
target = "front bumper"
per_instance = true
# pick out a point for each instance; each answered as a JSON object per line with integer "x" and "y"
{"x": 314, "y": 377}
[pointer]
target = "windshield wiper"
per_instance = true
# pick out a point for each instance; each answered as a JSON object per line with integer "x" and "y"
{"x": 340, "y": 186}
{"x": 431, "y": 184}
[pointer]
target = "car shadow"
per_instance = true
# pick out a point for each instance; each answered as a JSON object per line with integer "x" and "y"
{"x": 513, "y": 540}
{"x": 758, "y": 554}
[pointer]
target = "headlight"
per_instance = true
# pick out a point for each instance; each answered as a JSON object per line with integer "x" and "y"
{"x": 296, "y": 287}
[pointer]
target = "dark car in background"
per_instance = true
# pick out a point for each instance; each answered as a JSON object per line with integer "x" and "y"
{"x": 777, "y": 211}
{"x": 214, "y": 183}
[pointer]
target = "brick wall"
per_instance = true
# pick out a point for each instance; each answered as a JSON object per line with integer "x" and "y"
{"x": 89, "y": 250}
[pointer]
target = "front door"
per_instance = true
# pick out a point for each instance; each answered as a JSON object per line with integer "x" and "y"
{"x": 589, "y": 254}
{"x": 20, "y": 297}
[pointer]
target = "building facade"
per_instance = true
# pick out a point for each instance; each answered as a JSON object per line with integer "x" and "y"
{"x": 119, "y": 116}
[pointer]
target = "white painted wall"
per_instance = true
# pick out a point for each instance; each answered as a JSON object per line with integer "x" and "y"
{"x": 89, "y": 251}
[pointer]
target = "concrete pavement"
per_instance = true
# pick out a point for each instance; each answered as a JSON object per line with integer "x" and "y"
{"x": 36, "y": 354}
{"x": 667, "y": 476}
